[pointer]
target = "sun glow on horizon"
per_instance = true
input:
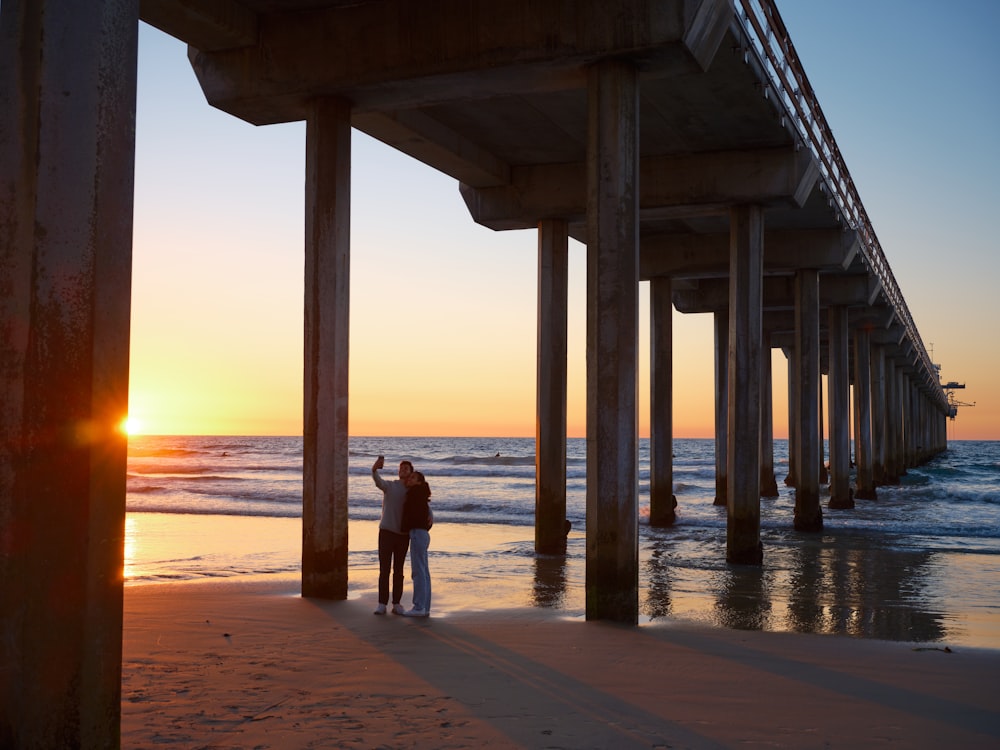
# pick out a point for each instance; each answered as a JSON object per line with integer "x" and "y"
{"x": 130, "y": 426}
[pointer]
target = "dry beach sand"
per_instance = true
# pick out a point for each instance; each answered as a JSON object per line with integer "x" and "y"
{"x": 251, "y": 664}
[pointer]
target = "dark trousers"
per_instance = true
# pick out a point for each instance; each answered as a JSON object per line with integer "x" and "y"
{"x": 391, "y": 556}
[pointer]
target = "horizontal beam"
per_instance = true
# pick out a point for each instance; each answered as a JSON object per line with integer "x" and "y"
{"x": 426, "y": 139}
{"x": 669, "y": 186}
{"x": 712, "y": 294}
{"x": 209, "y": 25}
{"x": 785, "y": 251}
{"x": 396, "y": 54}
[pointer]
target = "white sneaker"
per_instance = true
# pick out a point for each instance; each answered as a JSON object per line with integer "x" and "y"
{"x": 397, "y": 609}
{"x": 379, "y": 610}
{"x": 417, "y": 613}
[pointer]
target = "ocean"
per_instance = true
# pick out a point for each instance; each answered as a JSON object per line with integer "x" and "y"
{"x": 920, "y": 564}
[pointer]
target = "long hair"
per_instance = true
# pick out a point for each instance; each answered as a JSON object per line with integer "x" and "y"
{"x": 419, "y": 475}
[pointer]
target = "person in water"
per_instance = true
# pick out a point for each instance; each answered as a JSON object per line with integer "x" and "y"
{"x": 417, "y": 520}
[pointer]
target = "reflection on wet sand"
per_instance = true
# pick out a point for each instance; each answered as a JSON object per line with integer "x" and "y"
{"x": 549, "y": 588}
{"x": 845, "y": 586}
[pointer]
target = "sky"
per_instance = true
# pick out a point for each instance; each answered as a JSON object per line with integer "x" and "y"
{"x": 443, "y": 311}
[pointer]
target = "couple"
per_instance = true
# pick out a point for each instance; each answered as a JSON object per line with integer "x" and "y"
{"x": 406, "y": 522}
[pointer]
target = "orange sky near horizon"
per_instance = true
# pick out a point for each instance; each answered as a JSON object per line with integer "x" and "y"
{"x": 443, "y": 311}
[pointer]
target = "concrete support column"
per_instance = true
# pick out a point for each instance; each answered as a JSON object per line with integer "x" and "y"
{"x": 662, "y": 502}
{"x": 792, "y": 478}
{"x": 906, "y": 404}
{"x": 903, "y": 420}
{"x": 721, "y": 320}
{"x": 768, "y": 485}
{"x": 880, "y": 446}
{"x": 864, "y": 478}
{"x": 892, "y": 423}
{"x": 839, "y": 384}
{"x": 746, "y": 282}
{"x": 327, "y": 324}
{"x": 67, "y": 155}
{"x": 612, "y": 568}
{"x": 808, "y": 513}
{"x": 550, "y": 399}
{"x": 909, "y": 420}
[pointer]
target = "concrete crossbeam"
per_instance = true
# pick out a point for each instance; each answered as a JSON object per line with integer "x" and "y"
{"x": 208, "y": 25}
{"x": 670, "y": 185}
{"x": 711, "y": 294}
{"x": 424, "y": 138}
{"x": 395, "y": 55}
{"x": 699, "y": 255}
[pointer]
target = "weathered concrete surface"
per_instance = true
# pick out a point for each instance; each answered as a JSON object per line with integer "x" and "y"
{"x": 839, "y": 385}
{"x": 327, "y": 326}
{"x": 743, "y": 452}
{"x": 612, "y": 567}
{"x": 864, "y": 483}
{"x": 768, "y": 483}
{"x": 720, "y": 320}
{"x": 550, "y": 397}
{"x": 808, "y": 514}
{"x": 662, "y": 502}
{"x": 67, "y": 119}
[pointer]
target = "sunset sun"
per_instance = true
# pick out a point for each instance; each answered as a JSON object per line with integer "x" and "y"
{"x": 129, "y": 426}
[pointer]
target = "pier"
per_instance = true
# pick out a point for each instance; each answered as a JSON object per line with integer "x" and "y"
{"x": 680, "y": 141}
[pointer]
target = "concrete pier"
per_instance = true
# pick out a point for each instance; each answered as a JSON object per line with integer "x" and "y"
{"x": 533, "y": 109}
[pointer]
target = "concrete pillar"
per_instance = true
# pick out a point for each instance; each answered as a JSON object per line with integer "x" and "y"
{"x": 863, "y": 455}
{"x": 906, "y": 404}
{"x": 67, "y": 154}
{"x": 880, "y": 446}
{"x": 327, "y": 324}
{"x": 612, "y": 568}
{"x": 910, "y": 420}
{"x": 892, "y": 422}
{"x": 746, "y": 282}
{"x": 550, "y": 399}
{"x": 768, "y": 484}
{"x": 839, "y": 384}
{"x": 721, "y": 320}
{"x": 808, "y": 513}
{"x": 902, "y": 421}
{"x": 662, "y": 502}
{"x": 793, "y": 420}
